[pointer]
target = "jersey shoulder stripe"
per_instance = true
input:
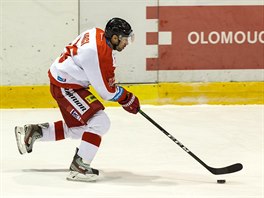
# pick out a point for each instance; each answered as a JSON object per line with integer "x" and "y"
{"x": 105, "y": 58}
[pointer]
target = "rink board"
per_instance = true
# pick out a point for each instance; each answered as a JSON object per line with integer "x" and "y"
{"x": 156, "y": 94}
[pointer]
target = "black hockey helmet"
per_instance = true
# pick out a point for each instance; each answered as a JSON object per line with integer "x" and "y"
{"x": 119, "y": 27}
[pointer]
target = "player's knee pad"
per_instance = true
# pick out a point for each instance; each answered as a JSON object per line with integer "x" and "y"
{"x": 99, "y": 123}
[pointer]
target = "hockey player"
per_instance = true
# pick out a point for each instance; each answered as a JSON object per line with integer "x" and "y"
{"x": 87, "y": 61}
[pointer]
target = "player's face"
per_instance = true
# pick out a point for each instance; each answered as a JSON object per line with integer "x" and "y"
{"x": 122, "y": 44}
{"x": 119, "y": 43}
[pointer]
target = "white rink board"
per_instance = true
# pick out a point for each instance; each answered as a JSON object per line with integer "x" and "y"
{"x": 34, "y": 33}
{"x": 136, "y": 160}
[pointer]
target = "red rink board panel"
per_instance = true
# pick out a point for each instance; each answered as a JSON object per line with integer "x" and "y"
{"x": 208, "y": 37}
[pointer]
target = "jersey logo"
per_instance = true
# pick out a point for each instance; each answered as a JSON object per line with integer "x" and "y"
{"x": 61, "y": 79}
{"x": 91, "y": 98}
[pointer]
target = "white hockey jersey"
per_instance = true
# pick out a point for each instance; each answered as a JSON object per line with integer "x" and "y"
{"x": 88, "y": 60}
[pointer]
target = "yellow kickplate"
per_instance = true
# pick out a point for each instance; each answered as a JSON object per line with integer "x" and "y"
{"x": 225, "y": 93}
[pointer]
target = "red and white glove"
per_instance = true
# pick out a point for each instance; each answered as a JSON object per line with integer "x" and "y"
{"x": 130, "y": 103}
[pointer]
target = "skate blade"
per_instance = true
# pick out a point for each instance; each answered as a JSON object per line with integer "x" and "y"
{"x": 20, "y": 134}
{"x": 76, "y": 176}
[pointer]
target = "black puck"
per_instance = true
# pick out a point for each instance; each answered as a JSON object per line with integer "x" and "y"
{"x": 221, "y": 181}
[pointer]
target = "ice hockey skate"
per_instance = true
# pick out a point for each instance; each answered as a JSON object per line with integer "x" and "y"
{"x": 27, "y": 135}
{"x": 80, "y": 171}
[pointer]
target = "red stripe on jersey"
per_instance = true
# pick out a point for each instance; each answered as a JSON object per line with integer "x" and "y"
{"x": 59, "y": 132}
{"x": 105, "y": 61}
{"x": 91, "y": 138}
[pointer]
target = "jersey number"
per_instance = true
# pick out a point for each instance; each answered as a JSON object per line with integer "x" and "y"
{"x": 70, "y": 50}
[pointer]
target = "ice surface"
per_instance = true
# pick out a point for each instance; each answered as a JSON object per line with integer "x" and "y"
{"x": 137, "y": 160}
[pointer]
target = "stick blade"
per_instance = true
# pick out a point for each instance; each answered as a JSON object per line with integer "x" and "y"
{"x": 226, "y": 170}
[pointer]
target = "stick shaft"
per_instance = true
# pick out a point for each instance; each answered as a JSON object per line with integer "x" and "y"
{"x": 172, "y": 137}
{"x": 216, "y": 171}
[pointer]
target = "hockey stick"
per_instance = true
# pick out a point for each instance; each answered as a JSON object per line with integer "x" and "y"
{"x": 216, "y": 171}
